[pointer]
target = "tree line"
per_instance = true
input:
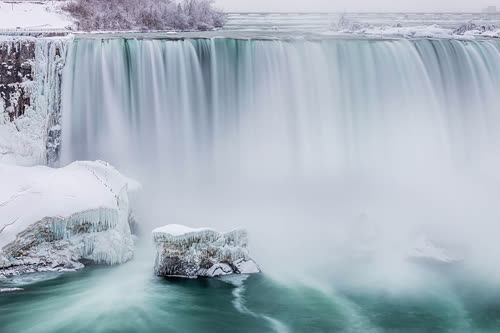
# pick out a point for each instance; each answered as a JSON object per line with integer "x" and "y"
{"x": 145, "y": 14}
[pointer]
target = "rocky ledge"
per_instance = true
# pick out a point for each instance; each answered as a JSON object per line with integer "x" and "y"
{"x": 187, "y": 252}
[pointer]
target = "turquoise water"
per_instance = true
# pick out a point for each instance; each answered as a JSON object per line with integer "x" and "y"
{"x": 129, "y": 298}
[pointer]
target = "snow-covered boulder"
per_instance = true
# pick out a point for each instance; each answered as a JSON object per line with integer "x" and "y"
{"x": 50, "y": 219}
{"x": 187, "y": 252}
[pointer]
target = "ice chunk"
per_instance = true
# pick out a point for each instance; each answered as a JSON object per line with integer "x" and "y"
{"x": 193, "y": 252}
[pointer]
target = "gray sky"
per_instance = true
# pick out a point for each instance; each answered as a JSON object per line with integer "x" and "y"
{"x": 356, "y": 5}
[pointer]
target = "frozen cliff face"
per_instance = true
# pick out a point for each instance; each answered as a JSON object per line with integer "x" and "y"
{"x": 50, "y": 219}
{"x": 16, "y": 59}
{"x": 188, "y": 252}
{"x": 30, "y": 72}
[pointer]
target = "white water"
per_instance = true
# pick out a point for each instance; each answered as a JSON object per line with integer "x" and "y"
{"x": 325, "y": 150}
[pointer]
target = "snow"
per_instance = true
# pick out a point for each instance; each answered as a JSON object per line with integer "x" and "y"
{"x": 52, "y": 218}
{"x": 246, "y": 266}
{"x": 34, "y": 16}
{"x": 79, "y": 191}
{"x": 425, "y": 31}
{"x": 469, "y": 30}
{"x": 177, "y": 230}
{"x": 220, "y": 269}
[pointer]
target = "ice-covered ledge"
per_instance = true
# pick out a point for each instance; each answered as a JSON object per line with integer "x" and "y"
{"x": 52, "y": 218}
{"x": 188, "y": 252}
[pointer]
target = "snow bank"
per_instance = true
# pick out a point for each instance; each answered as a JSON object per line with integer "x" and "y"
{"x": 52, "y": 218}
{"x": 34, "y": 16}
{"x": 189, "y": 252}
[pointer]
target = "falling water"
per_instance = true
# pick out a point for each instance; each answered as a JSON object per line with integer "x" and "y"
{"x": 357, "y": 139}
{"x": 264, "y": 108}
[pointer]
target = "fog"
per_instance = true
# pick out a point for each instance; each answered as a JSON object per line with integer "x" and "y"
{"x": 355, "y": 5}
{"x": 336, "y": 166}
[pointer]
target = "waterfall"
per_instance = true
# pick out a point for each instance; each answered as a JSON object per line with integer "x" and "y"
{"x": 281, "y": 108}
{"x": 367, "y": 141}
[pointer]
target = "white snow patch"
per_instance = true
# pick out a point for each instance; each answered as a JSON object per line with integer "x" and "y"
{"x": 24, "y": 15}
{"x": 179, "y": 230}
{"x": 29, "y": 194}
{"x": 246, "y": 266}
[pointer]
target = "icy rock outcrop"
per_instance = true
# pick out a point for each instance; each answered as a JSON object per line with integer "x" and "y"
{"x": 187, "y": 252}
{"x": 50, "y": 219}
{"x": 30, "y": 77}
{"x": 16, "y": 58}
{"x": 475, "y": 28}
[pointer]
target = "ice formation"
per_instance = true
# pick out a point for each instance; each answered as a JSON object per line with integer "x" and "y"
{"x": 32, "y": 137}
{"x": 50, "y": 219}
{"x": 468, "y": 30}
{"x": 188, "y": 252}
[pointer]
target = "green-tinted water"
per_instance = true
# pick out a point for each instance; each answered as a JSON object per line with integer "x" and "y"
{"x": 129, "y": 298}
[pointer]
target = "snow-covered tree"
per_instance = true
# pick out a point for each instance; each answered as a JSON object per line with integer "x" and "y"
{"x": 146, "y": 14}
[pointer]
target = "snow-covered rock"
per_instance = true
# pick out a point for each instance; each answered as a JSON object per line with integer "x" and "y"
{"x": 50, "y": 219}
{"x": 475, "y": 29}
{"x": 189, "y": 252}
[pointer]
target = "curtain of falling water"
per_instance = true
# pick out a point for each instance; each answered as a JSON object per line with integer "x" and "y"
{"x": 281, "y": 108}
{"x": 364, "y": 140}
